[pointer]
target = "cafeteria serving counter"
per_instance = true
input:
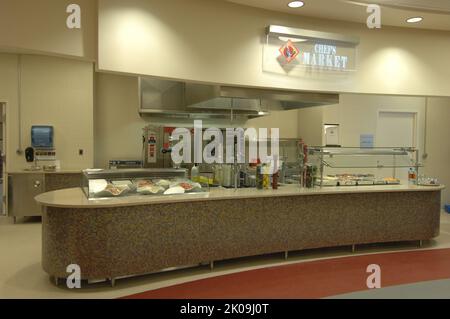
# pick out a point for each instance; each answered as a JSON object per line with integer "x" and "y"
{"x": 143, "y": 234}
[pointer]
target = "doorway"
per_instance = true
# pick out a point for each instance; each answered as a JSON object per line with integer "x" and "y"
{"x": 397, "y": 129}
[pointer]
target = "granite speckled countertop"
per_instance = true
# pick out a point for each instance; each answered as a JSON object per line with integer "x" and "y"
{"x": 75, "y": 197}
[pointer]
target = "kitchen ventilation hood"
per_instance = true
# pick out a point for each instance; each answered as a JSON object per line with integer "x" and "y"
{"x": 166, "y": 98}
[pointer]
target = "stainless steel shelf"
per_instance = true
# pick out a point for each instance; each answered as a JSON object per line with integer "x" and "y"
{"x": 347, "y": 151}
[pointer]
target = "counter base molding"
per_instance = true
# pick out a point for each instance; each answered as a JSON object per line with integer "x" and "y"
{"x": 113, "y": 242}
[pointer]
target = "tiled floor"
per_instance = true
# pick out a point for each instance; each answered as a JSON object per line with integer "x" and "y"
{"x": 436, "y": 289}
{"x": 21, "y": 275}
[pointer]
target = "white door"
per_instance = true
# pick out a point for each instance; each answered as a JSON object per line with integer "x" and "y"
{"x": 396, "y": 129}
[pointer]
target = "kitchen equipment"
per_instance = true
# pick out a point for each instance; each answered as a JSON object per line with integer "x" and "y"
{"x": 104, "y": 184}
{"x": 175, "y": 99}
{"x": 124, "y": 164}
{"x": 250, "y": 177}
{"x": 157, "y": 146}
{"x": 22, "y": 188}
{"x": 359, "y": 166}
{"x": 227, "y": 175}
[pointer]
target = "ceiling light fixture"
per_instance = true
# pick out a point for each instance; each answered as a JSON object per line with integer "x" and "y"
{"x": 286, "y": 39}
{"x": 414, "y": 20}
{"x": 296, "y": 4}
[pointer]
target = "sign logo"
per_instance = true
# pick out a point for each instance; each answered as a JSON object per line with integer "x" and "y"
{"x": 289, "y": 51}
{"x": 321, "y": 56}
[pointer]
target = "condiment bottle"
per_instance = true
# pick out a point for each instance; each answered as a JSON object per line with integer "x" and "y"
{"x": 259, "y": 177}
{"x": 275, "y": 181}
{"x": 195, "y": 173}
{"x": 266, "y": 178}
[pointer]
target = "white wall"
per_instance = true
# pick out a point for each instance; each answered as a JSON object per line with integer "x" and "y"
{"x": 56, "y": 92}
{"x": 358, "y": 114}
{"x": 286, "y": 121}
{"x": 8, "y": 93}
{"x": 221, "y": 42}
{"x": 118, "y": 126}
{"x": 438, "y": 143}
{"x": 310, "y": 125}
{"x": 40, "y": 27}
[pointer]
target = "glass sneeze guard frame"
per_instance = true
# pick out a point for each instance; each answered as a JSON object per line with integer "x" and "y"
{"x": 400, "y": 157}
{"x": 131, "y": 177}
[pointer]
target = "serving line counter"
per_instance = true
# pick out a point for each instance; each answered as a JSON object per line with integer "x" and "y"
{"x": 137, "y": 235}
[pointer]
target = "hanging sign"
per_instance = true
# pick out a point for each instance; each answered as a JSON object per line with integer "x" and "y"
{"x": 288, "y": 49}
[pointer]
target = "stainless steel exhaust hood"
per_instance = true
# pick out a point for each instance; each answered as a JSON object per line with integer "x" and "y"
{"x": 215, "y": 97}
{"x": 166, "y": 98}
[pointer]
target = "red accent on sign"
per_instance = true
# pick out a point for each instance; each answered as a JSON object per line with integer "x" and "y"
{"x": 289, "y": 51}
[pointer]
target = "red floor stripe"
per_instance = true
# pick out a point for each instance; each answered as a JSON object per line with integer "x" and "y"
{"x": 316, "y": 279}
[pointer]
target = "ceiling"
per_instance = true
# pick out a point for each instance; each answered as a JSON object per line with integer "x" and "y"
{"x": 436, "y": 13}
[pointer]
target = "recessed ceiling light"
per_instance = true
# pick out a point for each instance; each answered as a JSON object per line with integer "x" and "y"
{"x": 296, "y": 4}
{"x": 414, "y": 20}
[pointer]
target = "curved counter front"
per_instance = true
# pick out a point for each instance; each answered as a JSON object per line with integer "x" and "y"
{"x": 139, "y": 235}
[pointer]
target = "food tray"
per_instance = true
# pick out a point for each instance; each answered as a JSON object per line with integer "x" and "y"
{"x": 365, "y": 183}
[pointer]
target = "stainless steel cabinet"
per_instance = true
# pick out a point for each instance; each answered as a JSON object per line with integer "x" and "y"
{"x": 22, "y": 188}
